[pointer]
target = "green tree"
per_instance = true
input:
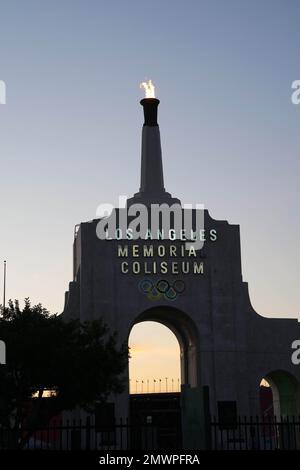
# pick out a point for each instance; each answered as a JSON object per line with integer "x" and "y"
{"x": 81, "y": 362}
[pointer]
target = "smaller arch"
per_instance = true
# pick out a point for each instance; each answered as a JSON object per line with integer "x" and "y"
{"x": 186, "y": 333}
{"x": 285, "y": 391}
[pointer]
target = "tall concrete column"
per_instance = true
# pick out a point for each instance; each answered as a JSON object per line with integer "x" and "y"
{"x": 152, "y": 190}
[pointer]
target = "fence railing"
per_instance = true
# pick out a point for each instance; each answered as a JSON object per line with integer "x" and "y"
{"x": 247, "y": 433}
{"x": 256, "y": 433}
{"x": 78, "y": 435}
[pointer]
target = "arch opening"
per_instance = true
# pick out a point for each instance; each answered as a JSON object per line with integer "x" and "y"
{"x": 154, "y": 365}
{"x": 279, "y": 395}
{"x": 185, "y": 332}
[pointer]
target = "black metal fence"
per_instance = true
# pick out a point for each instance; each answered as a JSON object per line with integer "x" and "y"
{"x": 242, "y": 434}
{"x": 79, "y": 435}
{"x": 257, "y": 433}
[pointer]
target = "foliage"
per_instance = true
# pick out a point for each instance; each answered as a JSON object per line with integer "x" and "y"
{"x": 83, "y": 363}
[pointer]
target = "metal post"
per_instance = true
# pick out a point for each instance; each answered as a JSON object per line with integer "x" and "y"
{"x": 4, "y": 286}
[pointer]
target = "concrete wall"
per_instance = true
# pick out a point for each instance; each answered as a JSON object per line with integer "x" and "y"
{"x": 227, "y": 345}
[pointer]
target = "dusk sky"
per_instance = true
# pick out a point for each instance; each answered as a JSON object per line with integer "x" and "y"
{"x": 71, "y": 128}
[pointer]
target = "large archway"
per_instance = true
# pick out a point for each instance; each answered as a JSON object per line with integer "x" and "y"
{"x": 169, "y": 411}
{"x": 186, "y": 333}
{"x": 154, "y": 364}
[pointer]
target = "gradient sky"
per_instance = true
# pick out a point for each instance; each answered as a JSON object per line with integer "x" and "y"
{"x": 70, "y": 131}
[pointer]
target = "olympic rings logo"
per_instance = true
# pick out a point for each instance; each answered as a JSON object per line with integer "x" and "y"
{"x": 162, "y": 289}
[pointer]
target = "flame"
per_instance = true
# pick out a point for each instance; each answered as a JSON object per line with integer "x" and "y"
{"x": 149, "y": 89}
